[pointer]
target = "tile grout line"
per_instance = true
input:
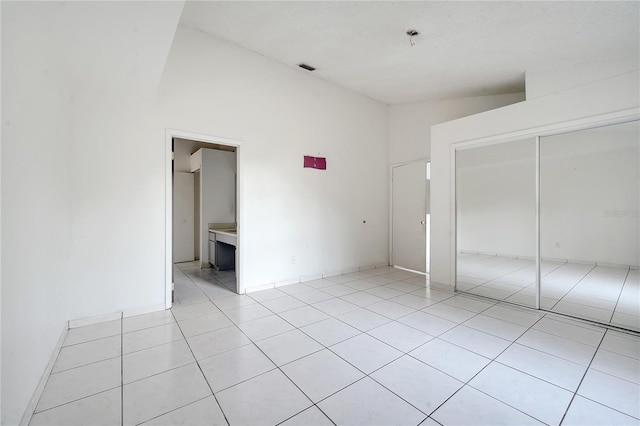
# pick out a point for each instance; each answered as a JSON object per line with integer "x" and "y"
{"x": 201, "y": 372}
{"x": 275, "y": 367}
{"x": 467, "y": 383}
{"x": 403, "y": 353}
{"x": 76, "y": 400}
{"x": 553, "y": 270}
{"x": 338, "y": 319}
{"x": 542, "y": 275}
{"x": 615, "y": 307}
{"x": 583, "y": 376}
{"x": 407, "y": 353}
{"x": 366, "y": 375}
{"x": 266, "y": 356}
{"x": 278, "y": 366}
{"x": 92, "y": 340}
{"x": 504, "y": 275}
{"x": 572, "y": 288}
{"x": 590, "y": 321}
{"x": 323, "y": 348}
{"x": 85, "y": 365}
{"x": 155, "y": 345}
{"x": 121, "y": 371}
{"x": 173, "y": 410}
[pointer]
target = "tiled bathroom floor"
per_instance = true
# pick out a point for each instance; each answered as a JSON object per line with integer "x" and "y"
{"x": 600, "y": 293}
{"x": 377, "y": 347}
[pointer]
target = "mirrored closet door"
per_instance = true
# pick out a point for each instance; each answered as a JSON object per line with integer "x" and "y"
{"x": 583, "y": 189}
{"x": 589, "y": 233}
{"x": 496, "y": 205}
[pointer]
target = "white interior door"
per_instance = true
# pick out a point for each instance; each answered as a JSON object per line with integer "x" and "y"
{"x": 183, "y": 217}
{"x": 409, "y": 216}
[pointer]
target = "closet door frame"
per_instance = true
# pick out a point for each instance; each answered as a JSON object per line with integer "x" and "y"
{"x": 538, "y": 132}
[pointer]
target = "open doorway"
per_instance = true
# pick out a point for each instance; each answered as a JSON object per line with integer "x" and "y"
{"x": 202, "y": 215}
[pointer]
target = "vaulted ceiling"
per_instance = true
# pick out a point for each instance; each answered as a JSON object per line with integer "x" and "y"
{"x": 464, "y": 48}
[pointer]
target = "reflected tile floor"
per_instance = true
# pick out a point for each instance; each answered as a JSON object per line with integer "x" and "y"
{"x": 606, "y": 294}
{"x": 376, "y": 347}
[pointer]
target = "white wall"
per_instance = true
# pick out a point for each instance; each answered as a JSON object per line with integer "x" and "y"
{"x": 543, "y": 81}
{"x": 218, "y": 193}
{"x": 36, "y": 223}
{"x": 295, "y": 222}
{"x": 588, "y": 103}
{"x": 83, "y": 230}
{"x": 410, "y": 124}
{"x": 82, "y": 173}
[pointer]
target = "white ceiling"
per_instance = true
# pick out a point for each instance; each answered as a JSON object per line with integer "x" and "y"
{"x": 464, "y": 48}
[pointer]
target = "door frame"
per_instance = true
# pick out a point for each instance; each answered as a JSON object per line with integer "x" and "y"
{"x": 428, "y": 248}
{"x": 168, "y": 233}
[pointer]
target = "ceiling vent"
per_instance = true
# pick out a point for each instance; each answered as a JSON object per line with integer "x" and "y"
{"x": 306, "y": 67}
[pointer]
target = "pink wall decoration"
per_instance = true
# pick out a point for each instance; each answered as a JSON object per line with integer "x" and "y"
{"x": 315, "y": 162}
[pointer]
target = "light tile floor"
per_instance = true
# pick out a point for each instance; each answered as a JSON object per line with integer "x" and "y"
{"x": 389, "y": 350}
{"x": 606, "y": 294}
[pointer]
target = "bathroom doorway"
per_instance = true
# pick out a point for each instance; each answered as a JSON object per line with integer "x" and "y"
{"x": 197, "y": 199}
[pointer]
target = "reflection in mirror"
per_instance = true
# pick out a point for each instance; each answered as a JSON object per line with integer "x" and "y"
{"x": 589, "y": 223}
{"x": 496, "y": 217}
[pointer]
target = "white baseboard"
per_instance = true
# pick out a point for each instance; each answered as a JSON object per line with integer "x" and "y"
{"x": 258, "y": 288}
{"x": 532, "y": 259}
{"x": 468, "y": 252}
{"x": 331, "y": 274}
{"x": 554, "y": 259}
{"x": 614, "y": 265}
{"x": 307, "y": 278}
{"x": 142, "y": 311}
{"x": 284, "y": 284}
{"x": 487, "y": 253}
{"x": 94, "y": 320}
{"x": 31, "y": 407}
{"x": 115, "y": 316}
{"x": 366, "y": 268}
{"x": 442, "y": 285}
{"x": 581, "y": 262}
{"x": 374, "y": 266}
{"x": 287, "y": 282}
